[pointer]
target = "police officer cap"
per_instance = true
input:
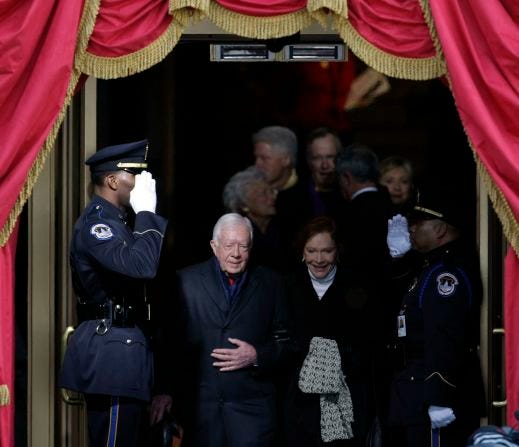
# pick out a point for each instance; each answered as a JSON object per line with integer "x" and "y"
{"x": 129, "y": 157}
{"x": 437, "y": 203}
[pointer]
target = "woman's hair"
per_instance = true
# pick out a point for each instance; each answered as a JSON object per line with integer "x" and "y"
{"x": 396, "y": 161}
{"x": 235, "y": 191}
{"x": 321, "y": 224}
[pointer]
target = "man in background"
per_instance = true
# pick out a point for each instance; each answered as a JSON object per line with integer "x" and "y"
{"x": 275, "y": 154}
{"x": 323, "y": 196}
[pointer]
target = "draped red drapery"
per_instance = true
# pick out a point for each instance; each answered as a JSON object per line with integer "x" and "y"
{"x": 480, "y": 41}
{"x": 7, "y": 260}
{"x": 37, "y": 47}
{"x": 45, "y": 47}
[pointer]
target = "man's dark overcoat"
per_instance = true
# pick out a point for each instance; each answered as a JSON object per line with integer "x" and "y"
{"x": 224, "y": 409}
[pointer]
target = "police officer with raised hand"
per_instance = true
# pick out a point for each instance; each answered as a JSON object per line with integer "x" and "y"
{"x": 108, "y": 358}
{"x": 437, "y": 391}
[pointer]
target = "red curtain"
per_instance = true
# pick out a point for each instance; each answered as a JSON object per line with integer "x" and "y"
{"x": 7, "y": 258}
{"x": 37, "y": 45}
{"x": 123, "y": 27}
{"x": 394, "y": 26}
{"x": 263, "y": 8}
{"x": 480, "y": 41}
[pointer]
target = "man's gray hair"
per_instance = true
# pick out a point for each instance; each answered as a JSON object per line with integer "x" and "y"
{"x": 231, "y": 220}
{"x": 235, "y": 191}
{"x": 359, "y": 161}
{"x": 281, "y": 139}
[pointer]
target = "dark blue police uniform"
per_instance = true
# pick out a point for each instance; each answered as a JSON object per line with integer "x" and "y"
{"x": 438, "y": 337}
{"x": 108, "y": 357}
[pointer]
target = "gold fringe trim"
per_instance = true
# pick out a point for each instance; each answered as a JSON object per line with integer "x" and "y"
{"x": 4, "y": 396}
{"x": 86, "y": 27}
{"x": 426, "y": 10}
{"x": 320, "y": 10}
{"x": 258, "y": 27}
{"x": 501, "y": 206}
{"x": 188, "y": 12}
{"x": 38, "y": 163}
{"x": 395, "y": 66}
{"x": 499, "y": 203}
{"x": 118, "y": 67}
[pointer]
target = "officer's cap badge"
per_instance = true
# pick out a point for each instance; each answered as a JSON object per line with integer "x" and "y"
{"x": 101, "y": 231}
{"x": 447, "y": 283}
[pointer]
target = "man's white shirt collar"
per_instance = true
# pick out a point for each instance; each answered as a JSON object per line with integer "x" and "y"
{"x": 360, "y": 191}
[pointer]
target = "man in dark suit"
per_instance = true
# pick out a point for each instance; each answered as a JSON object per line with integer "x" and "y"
{"x": 108, "y": 358}
{"x": 364, "y": 227}
{"x": 229, "y": 337}
{"x": 364, "y": 230}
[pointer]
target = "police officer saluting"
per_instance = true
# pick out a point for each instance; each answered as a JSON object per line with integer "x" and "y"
{"x": 108, "y": 358}
{"x": 437, "y": 393}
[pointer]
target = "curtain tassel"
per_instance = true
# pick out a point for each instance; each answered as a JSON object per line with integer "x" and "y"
{"x": 4, "y": 395}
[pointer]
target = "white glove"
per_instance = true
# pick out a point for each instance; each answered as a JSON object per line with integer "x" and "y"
{"x": 398, "y": 240}
{"x": 440, "y": 416}
{"x": 143, "y": 196}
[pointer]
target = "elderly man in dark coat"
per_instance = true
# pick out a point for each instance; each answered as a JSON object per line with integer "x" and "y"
{"x": 228, "y": 339}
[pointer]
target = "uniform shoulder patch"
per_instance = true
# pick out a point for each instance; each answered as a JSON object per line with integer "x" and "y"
{"x": 447, "y": 283}
{"x": 101, "y": 231}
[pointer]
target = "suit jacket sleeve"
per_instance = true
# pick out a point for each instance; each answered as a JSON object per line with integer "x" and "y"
{"x": 273, "y": 353}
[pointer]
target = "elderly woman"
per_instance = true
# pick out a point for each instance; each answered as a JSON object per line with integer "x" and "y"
{"x": 396, "y": 174}
{"x": 248, "y": 193}
{"x": 330, "y": 325}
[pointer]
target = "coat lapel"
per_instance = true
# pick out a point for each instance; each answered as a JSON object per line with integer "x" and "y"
{"x": 213, "y": 286}
{"x": 244, "y": 297}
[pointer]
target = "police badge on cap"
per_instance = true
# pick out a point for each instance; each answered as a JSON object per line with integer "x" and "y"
{"x": 438, "y": 203}
{"x": 130, "y": 157}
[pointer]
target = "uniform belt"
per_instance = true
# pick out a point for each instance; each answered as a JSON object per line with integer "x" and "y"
{"x": 403, "y": 353}
{"x": 126, "y": 315}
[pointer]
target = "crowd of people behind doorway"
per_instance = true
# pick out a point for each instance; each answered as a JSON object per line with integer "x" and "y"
{"x": 338, "y": 310}
{"x": 345, "y": 278}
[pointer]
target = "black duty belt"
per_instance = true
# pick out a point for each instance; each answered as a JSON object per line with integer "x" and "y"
{"x": 121, "y": 315}
{"x": 403, "y": 353}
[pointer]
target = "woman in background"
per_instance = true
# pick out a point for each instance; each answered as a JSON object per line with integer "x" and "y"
{"x": 396, "y": 174}
{"x": 326, "y": 302}
{"x": 248, "y": 193}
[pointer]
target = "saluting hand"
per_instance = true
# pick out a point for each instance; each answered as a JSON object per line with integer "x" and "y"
{"x": 398, "y": 238}
{"x": 235, "y": 358}
{"x": 143, "y": 196}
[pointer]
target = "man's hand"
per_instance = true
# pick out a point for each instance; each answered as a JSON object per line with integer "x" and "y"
{"x": 143, "y": 196}
{"x": 160, "y": 404}
{"x": 365, "y": 88}
{"x": 232, "y": 359}
{"x": 398, "y": 240}
{"x": 440, "y": 416}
